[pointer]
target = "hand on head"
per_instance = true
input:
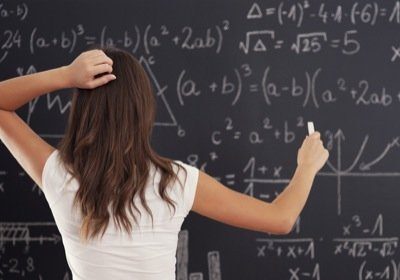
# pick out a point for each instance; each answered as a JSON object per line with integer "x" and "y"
{"x": 312, "y": 153}
{"x": 82, "y": 71}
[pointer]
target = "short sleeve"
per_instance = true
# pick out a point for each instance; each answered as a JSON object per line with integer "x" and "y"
{"x": 189, "y": 190}
{"x": 52, "y": 178}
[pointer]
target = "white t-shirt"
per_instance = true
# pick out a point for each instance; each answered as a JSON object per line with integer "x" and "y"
{"x": 145, "y": 254}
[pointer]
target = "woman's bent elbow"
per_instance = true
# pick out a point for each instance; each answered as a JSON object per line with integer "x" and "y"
{"x": 287, "y": 226}
{"x": 283, "y": 226}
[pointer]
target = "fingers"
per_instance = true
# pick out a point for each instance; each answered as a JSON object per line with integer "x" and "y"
{"x": 101, "y": 81}
{"x": 99, "y": 63}
{"x": 101, "y": 68}
{"x": 313, "y": 142}
{"x": 92, "y": 53}
{"x": 315, "y": 135}
{"x": 326, "y": 153}
{"x": 87, "y": 66}
{"x": 101, "y": 59}
{"x": 95, "y": 57}
{"x": 311, "y": 138}
{"x": 313, "y": 153}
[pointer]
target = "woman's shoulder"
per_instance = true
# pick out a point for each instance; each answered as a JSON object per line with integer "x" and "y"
{"x": 54, "y": 176}
{"x": 190, "y": 177}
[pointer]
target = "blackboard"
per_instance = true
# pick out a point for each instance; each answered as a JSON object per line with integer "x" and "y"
{"x": 236, "y": 82}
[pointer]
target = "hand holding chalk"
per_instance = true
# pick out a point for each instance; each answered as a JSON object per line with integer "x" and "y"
{"x": 312, "y": 153}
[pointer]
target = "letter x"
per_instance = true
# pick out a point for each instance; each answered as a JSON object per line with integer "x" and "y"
{"x": 396, "y": 53}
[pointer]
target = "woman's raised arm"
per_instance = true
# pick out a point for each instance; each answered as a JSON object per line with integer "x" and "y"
{"x": 28, "y": 148}
{"x": 17, "y": 91}
{"x": 220, "y": 203}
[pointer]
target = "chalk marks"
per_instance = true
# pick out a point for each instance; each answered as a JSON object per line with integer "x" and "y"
{"x": 213, "y": 261}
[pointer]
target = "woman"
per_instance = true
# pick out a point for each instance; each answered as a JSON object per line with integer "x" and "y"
{"x": 117, "y": 204}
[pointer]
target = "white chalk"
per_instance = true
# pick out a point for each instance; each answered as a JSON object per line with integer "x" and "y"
{"x": 311, "y": 129}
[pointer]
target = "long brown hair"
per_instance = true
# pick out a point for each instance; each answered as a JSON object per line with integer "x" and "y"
{"x": 106, "y": 147}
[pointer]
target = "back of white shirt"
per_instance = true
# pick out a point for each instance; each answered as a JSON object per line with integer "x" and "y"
{"x": 147, "y": 253}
